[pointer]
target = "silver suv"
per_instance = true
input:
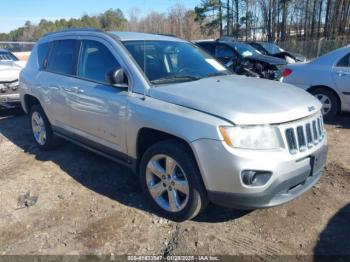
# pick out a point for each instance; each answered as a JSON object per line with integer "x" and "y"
{"x": 193, "y": 132}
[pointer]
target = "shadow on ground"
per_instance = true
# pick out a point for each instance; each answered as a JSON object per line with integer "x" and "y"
{"x": 93, "y": 171}
{"x": 334, "y": 241}
{"x": 340, "y": 121}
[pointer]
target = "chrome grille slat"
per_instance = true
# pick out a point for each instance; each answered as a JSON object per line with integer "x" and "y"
{"x": 301, "y": 138}
{"x": 305, "y": 135}
{"x": 309, "y": 135}
{"x": 314, "y": 132}
{"x": 292, "y": 143}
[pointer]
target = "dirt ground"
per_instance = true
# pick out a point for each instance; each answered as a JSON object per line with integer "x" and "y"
{"x": 71, "y": 201}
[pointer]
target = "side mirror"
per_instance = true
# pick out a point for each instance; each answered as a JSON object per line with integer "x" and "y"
{"x": 118, "y": 78}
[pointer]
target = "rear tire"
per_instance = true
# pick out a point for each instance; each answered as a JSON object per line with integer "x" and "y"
{"x": 174, "y": 190}
{"x": 330, "y": 103}
{"x": 41, "y": 129}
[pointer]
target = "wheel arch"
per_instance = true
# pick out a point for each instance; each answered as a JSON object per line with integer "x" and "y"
{"x": 29, "y": 102}
{"x": 147, "y": 137}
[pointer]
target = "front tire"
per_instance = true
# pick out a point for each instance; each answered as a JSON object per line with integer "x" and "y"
{"x": 171, "y": 181}
{"x": 330, "y": 103}
{"x": 41, "y": 129}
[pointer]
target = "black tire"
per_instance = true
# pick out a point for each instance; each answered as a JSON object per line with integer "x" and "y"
{"x": 51, "y": 140}
{"x": 180, "y": 152}
{"x": 333, "y": 99}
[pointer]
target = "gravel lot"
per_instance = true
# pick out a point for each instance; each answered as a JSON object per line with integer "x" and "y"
{"x": 71, "y": 201}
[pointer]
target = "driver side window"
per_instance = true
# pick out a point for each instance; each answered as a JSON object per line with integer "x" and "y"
{"x": 96, "y": 62}
{"x": 344, "y": 62}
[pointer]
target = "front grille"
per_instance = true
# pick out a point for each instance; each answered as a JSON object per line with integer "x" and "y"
{"x": 303, "y": 135}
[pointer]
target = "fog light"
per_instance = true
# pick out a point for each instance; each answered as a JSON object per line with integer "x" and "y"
{"x": 255, "y": 178}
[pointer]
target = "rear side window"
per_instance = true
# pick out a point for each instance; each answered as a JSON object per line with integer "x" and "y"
{"x": 344, "y": 62}
{"x": 42, "y": 55}
{"x": 63, "y": 56}
{"x": 96, "y": 62}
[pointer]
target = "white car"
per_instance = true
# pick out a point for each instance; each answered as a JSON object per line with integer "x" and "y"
{"x": 10, "y": 67}
{"x": 327, "y": 78}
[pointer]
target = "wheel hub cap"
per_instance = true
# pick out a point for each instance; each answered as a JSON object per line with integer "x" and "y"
{"x": 167, "y": 183}
{"x": 39, "y": 130}
{"x": 326, "y": 103}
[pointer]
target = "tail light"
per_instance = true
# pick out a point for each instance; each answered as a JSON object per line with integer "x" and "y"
{"x": 286, "y": 72}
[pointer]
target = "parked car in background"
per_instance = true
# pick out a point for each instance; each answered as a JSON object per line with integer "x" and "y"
{"x": 272, "y": 49}
{"x": 327, "y": 78}
{"x": 243, "y": 59}
{"x": 10, "y": 67}
{"x": 168, "y": 110}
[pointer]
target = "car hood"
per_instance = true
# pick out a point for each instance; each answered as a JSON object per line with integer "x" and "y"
{"x": 241, "y": 100}
{"x": 267, "y": 59}
{"x": 9, "y": 70}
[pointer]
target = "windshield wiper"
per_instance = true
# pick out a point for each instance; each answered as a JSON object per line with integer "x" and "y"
{"x": 218, "y": 74}
{"x": 175, "y": 77}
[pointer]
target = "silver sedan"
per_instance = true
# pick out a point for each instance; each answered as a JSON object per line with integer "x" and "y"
{"x": 327, "y": 78}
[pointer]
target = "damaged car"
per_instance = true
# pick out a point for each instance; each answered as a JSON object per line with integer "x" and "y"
{"x": 243, "y": 59}
{"x": 271, "y": 49}
{"x": 10, "y": 67}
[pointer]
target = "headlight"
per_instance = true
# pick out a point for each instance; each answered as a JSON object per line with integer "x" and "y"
{"x": 252, "y": 137}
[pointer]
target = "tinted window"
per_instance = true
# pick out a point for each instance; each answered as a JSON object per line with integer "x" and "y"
{"x": 62, "y": 57}
{"x": 209, "y": 47}
{"x": 344, "y": 62}
{"x": 223, "y": 51}
{"x": 96, "y": 62}
{"x": 42, "y": 54}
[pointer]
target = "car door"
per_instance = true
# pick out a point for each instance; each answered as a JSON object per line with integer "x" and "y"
{"x": 98, "y": 109}
{"x": 341, "y": 77}
{"x": 58, "y": 78}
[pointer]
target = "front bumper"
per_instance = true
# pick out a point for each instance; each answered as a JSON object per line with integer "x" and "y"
{"x": 9, "y": 98}
{"x": 291, "y": 175}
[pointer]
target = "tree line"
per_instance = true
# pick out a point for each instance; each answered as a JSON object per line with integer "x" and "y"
{"x": 272, "y": 20}
{"x": 275, "y": 20}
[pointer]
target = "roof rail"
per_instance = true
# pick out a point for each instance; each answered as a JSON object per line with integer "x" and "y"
{"x": 83, "y": 29}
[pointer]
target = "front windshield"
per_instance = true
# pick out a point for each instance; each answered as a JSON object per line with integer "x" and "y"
{"x": 272, "y": 48}
{"x": 169, "y": 62}
{"x": 7, "y": 56}
{"x": 245, "y": 49}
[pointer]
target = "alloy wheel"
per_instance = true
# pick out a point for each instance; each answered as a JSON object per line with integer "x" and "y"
{"x": 39, "y": 129}
{"x": 326, "y": 103}
{"x": 167, "y": 183}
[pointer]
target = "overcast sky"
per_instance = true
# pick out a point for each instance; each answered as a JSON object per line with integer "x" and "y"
{"x": 14, "y": 13}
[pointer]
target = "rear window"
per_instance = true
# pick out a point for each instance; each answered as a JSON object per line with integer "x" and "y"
{"x": 63, "y": 56}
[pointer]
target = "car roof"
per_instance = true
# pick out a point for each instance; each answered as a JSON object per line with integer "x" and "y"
{"x": 134, "y": 36}
{"x": 122, "y": 36}
{"x": 4, "y": 50}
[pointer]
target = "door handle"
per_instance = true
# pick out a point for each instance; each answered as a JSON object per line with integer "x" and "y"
{"x": 78, "y": 90}
{"x": 74, "y": 89}
{"x": 53, "y": 87}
